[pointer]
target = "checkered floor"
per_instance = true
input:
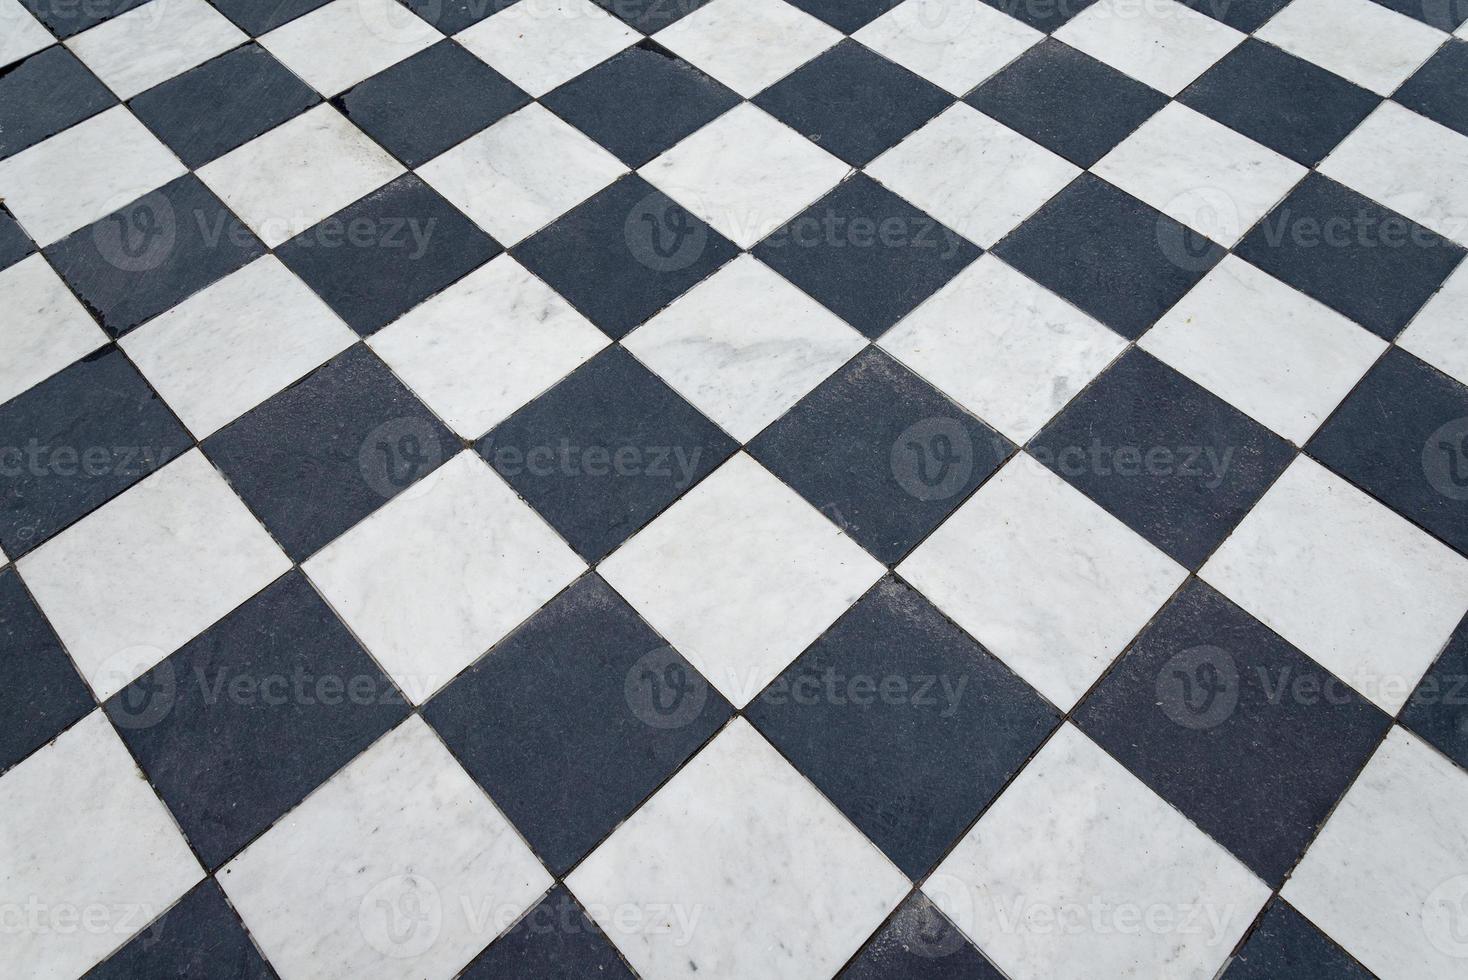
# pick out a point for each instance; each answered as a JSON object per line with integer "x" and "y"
{"x": 734, "y": 489}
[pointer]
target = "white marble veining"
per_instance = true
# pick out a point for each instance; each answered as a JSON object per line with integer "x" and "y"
{"x": 744, "y": 346}
{"x": 1045, "y": 579}
{"x": 1003, "y": 347}
{"x": 1437, "y": 334}
{"x": 1357, "y": 588}
{"x": 1269, "y": 350}
{"x": 522, "y": 173}
{"x": 1359, "y": 40}
{"x": 44, "y": 328}
{"x": 975, "y": 175}
{"x": 397, "y": 867}
{"x": 228, "y": 348}
{"x": 956, "y": 44}
{"x": 336, "y": 46}
{"x": 1387, "y": 878}
{"x": 748, "y": 44}
{"x": 738, "y": 868}
{"x": 20, "y": 33}
{"x": 149, "y": 44}
{"x": 88, "y": 854}
{"x": 1080, "y": 871}
{"x": 538, "y": 44}
{"x": 741, "y": 574}
{"x": 1160, "y": 42}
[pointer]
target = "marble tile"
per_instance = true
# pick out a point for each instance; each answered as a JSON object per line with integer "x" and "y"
{"x": 955, "y": 44}
{"x": 397, "y": 867}
{"x": 1437, "y": 335}
{"x": 336, "y": 46}
{"x": 1159, "y": 42}
{"x": 45, "y": 330}
{"x": 736, "y": 845}
{"x": 1359, "y": 40}
{"x": 150, "y": 44}
{"x": 748, "y": 44}
{"x": 23, "y": 34}
{"x": 538, "y": 44}
{"x": 1357, "y": 588}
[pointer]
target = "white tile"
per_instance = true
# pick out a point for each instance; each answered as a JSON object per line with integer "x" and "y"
{"x": 487, "y": 345}
{"x": 44, "y": 328}
{"x": 538, "y": 44}
{"x": 744, "y": 346}
{"x": 20, "y": 33}
{"x": 1409, "y": 163}
{"x": 397, "y": 867}
{"x": 103, "y": 163}
{"x": 88, "y": 842}
{"x": 1357, "y": 588}
{"x": 1079, "y": 870}
{"x": 1388, "y": 876}
{"x": 738, "y": 867}
{"x": 1437, "y": 335}
{"x": 745, "y": 173}
{"x": 1052, "y": 584}
{"x": 336, "y": 46}
{"x": 1270, "y": 351}
{"x": 522, "y": 173}
{"x": 302, "y": 171}
{"x": 955, "y": 44}
{"x": 973, "y": 174}
{"x": 748, "y": 44}
{"x": 227, "y": 349}
{"x": 439, "y": 574}
{"x": 135, "y": 580}
{"x": 1003, "y": 347}
{"x": 740, "y": 575}
{"x": 1159, "y": 42}
{"x": 149, "y": 44}
{"x": 1363, "y": 41}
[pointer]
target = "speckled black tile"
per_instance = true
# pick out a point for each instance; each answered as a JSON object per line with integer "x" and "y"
{"x": 1438, "y": 708}
{"x": 200, "y": 938}
{"x": 328, "y": 451}
{"x": 1285, "y": 944}
{"x": 75, "y": 441}
{"x": 1445, "y": 15}
{"x": 14, "y": 243}
{"x": 553, "y": 941}
{"x": 650, "y": 16}
{"x": 1244, "y": 15}
{"x": 1439, "y": 90}
{"x": 847, "y": 16}
{"x": 48, "y": 92}
{"x": 605, "y": 451}
{"x": 453, "y": 16}
{"x": 919, "y": 943}
{"x": 40, "y": 692}
{"x": 256, "y": 17}
{"x": 68, "y": 17}
{"x": 1046, "y": 15}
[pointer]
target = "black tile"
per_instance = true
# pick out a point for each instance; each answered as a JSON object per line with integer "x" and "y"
{"x": 640, "y": 102}
{"x": 376, "y": 259}
{"x": 222, "y": 104}
{"x": 40, "y": 692}
{"x": 907, "y": 724}
{"x": 1350, "y": 253}
{"x": 881, "y": 453}
{"x": 853, "y": 102}
{"x": 1118, "y": 259}
{"x": 1438, "y": 708}
{"x": 625, "y": 254}
{"x": 919, "y": 943}
{"x": 240, "y": 724}
{"x": 329, "y": 450}
{"x": 554, "y": 941}
{"x": 1249, "y": 738}
{"x": 68, "y": 17}
{"x": 1445, "y": 15}
{"x": 605, "y": 451}
{"x": 1245, "y": 15}
{"x": 1402, "y": 436}
{"x": 75, "y": 441}
{"x": 43, "y": 95}
{"x": 847, "y": 16}
{"x": 575, "y": 718}
{"x": 1066, "y": 101}
{"x": 152, "y": 254}
{"x": 1044, "y": 15}
{"x": 1439, "y": 90}
{"x": 867, "y": 254}
{"x": 650, "y": 16}
{"x": 1171, "y": 460}
{"x": 453, "y": 16}
{"x": 257, "y": 17}
{"x": 425, "y": 104}
{"x": 1285, "y": 944}
{"x": 200, "y": 938}
{"x": 14, "y": 243}
{"x": 1287, "y": 103}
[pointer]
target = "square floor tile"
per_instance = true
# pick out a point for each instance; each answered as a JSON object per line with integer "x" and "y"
{"x": 649, "y": 16}
{"x": 744, "y": 345}
{"x": 486, "y": 345}
{"x": 955, "y": 44}
{"x": 616, "y": 712}
{"x": 542, "y": 43}
{"x": 453, "y": 16}
{"x": 1444, "y": 16}
{"x": 401, "y": 827}
{"x": 1318, "y": 562}
{"x": 748, "y": 44}
{"x": 640, "y": 102}
{"x": 904, "y": 722}
{"x": 847, "y": 16}
{"x": 1162, "y": 43}
{"x": 1285, "y": 944}
{"x": 1041, "y": 16}
{"x": 257, "y": 711}
{"x": 1066, "y": 101}
{"x": 1359, "y": 40}
{"x": 1046, "y": 580}
{"x": 198, "y": 934}
{"x": 85, "y": 831}
{"x": 805, "y": 875}
{"x": 154, "y": 42}
{"x": 338, "y": 45}
{"x": 1005, "y": 348}
{"x": 1352, "y": 254}
{"x": 439, "y": 575}
{"x": 625, "y": 254}
{"x": 554, "y": 941}
{"x": 45, "y": 94}
{"x": 45, "y": 330}
{"x": 65, "y": 19}
{"x": 867, "y": 254}
{"x": 257, "y": 18}
{"x": 1074, "y": 833}
{"x": 740, "y": 575}
{"x": 1439, "y": 90}
{"x": 1244, "y": 15}
{"x": 906, "y": 947}
{"x": 40, "y": 691}
{"x": 317, "y": 458}
{"x": 1438, "y": 709}
{"x": 1436, "y": 334}
{"x": 881, "y": 453}
{"x": 1386, "y": 878}
{"x": 1270, "y": 351}
{"x": 24, "y": 34}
